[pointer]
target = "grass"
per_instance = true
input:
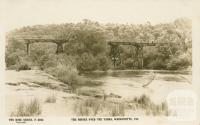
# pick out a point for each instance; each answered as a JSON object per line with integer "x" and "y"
{"x": 100, "y": 107}
{"x": 150, "y": 108}
{"x": 51, "y": 99}
{"x": 97, "y": 107}
{"x": 31, "y": 109}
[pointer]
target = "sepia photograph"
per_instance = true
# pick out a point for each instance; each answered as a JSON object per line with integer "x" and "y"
{"x": 97, "y": 59}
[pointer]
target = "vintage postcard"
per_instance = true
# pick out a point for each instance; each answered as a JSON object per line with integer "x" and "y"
{"x": 100, "y": 62}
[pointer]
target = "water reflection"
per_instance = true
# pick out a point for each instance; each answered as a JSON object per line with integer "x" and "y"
{"x": 120, "y": 74}
{"x": 131, "y": 82}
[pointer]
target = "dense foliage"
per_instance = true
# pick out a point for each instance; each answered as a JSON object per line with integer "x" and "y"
{"x": 87, "y": 48}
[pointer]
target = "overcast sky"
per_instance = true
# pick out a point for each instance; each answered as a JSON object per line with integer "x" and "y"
{"x": 18, "y": 13}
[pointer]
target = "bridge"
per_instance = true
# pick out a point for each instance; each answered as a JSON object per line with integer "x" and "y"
{"x": 30, "y": 39}
{"x": 137, "y": 56}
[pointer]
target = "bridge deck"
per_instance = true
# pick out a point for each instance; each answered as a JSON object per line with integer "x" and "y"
{"x": 45, "y": 40}
{"x": 41, "y": 38}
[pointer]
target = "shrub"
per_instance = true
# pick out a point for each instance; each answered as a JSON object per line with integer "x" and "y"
{"x": 128, "y": 63}
{"x": 157, "y": 64}
{"x": 87, "y": 62}
{"x": 65, "y": 73}
{"x": 103, "y": 62}
{"x": 17, "y": 60}
{"x": 144, "y": 100}
{"x": 11, "y": 59}
{"x": 179, "y": 62}
{"x": 23, "y": 67}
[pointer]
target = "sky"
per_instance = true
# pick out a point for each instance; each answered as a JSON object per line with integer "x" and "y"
{"x": 18, "y": 13}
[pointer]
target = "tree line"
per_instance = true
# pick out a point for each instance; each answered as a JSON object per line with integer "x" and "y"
{"x": 87, "y": 48}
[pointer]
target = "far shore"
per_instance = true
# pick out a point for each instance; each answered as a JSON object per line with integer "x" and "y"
{"x": 188, "y": 71}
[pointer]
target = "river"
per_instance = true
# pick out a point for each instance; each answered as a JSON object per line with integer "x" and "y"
{"x": 128, "y": 83}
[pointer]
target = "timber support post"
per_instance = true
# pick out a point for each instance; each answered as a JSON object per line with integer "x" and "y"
{"x": 114, "y": 53}
{"x": 132, "y": 56}
{"x": 139, "y": 57}
{"x": 27, "y": 48}
{"x": 60, "y": 48}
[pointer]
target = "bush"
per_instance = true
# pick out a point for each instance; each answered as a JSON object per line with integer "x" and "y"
{"x": 129, "y": 63}
{"x": 24, "y": 67}
{"x": 66, "y": 73}
{"x": 87, "y": 62}
{"x": 14, "y": 59}
{"x": 157, "y": 64}
{"x": 11, "y": 59}
{"x": 181, "y": 62}
{"x": 103, "y": 62}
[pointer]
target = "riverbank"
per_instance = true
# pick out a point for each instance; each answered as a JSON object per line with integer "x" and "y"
{"x": 185, "y": 71}
{"x": 117, "y": 93}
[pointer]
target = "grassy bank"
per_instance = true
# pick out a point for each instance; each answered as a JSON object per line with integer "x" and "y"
{"x": 106, "y": 107}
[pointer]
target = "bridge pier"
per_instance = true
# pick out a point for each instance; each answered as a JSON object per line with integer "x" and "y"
{"x": 60, "y": 48}
{"x": 137, "y": 55}
{"x": 27, "y": 48}
{"x": 138, "y": 58}
{"x": 132, "y": 56}
{"x": 115, "y": 54}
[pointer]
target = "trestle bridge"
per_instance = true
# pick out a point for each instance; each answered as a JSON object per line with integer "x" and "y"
{"x": 137, "y": 56}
